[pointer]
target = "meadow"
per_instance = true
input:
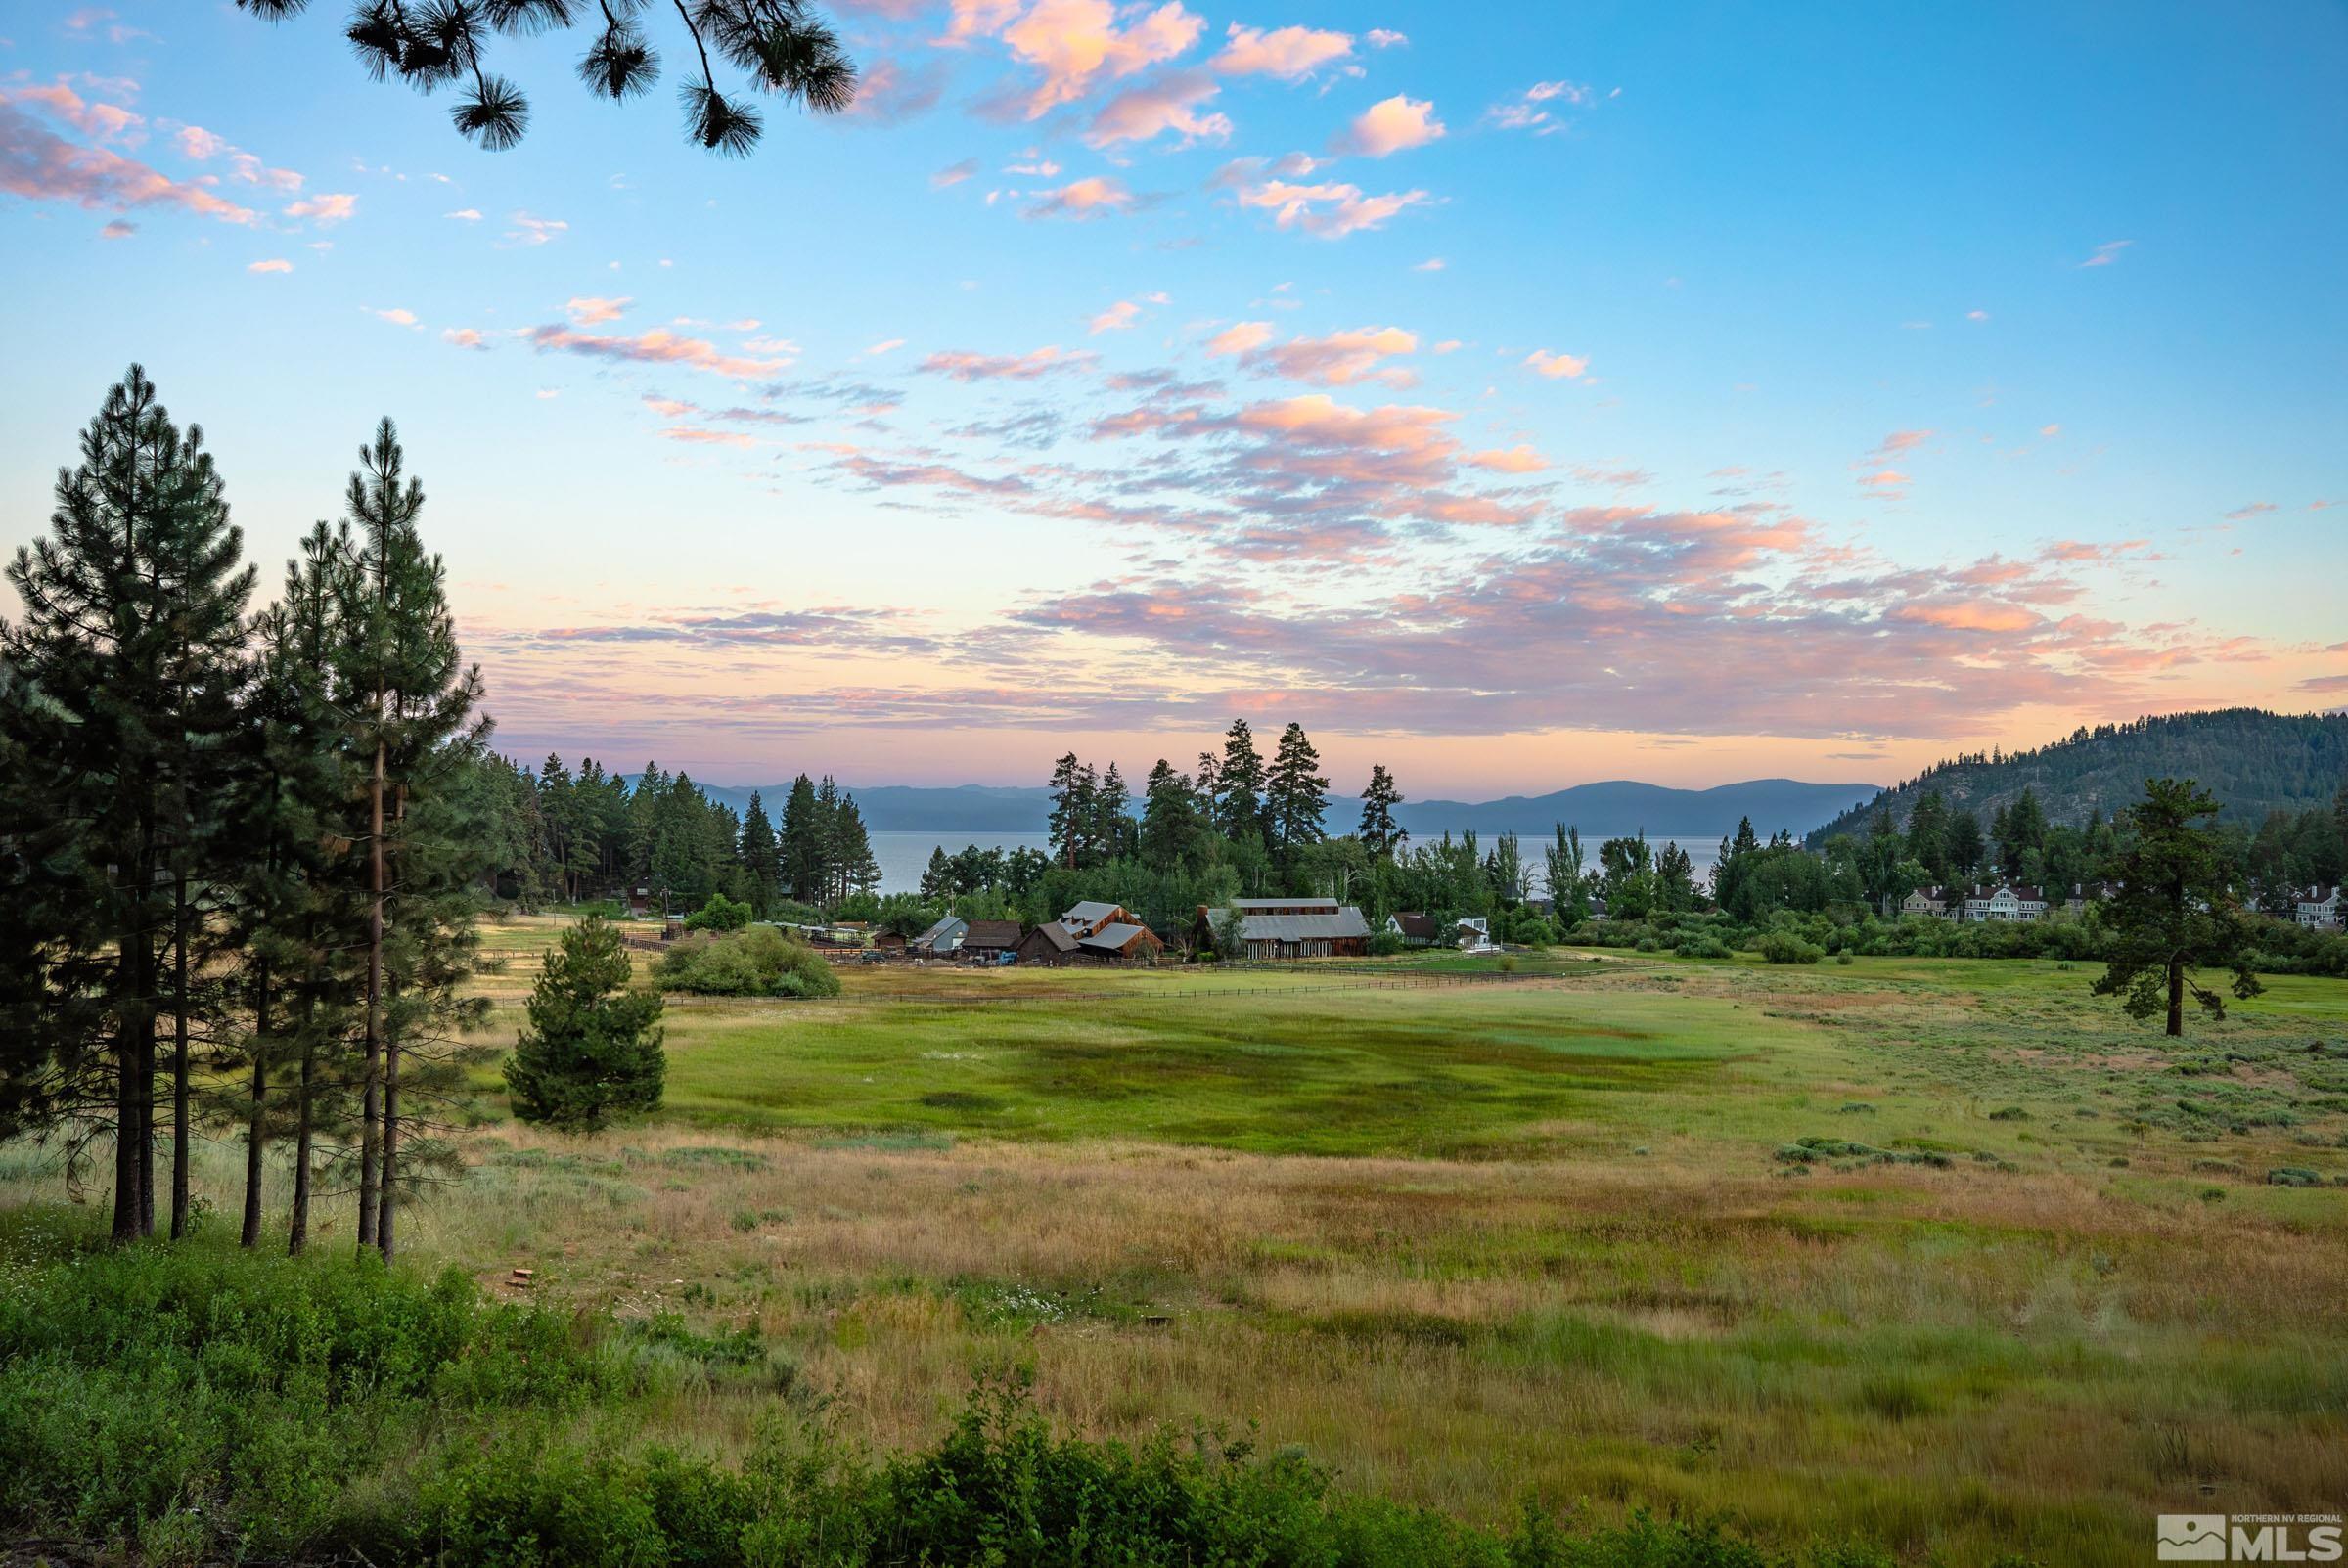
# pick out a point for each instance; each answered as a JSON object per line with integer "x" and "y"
{"x": 1943, "y": 1255}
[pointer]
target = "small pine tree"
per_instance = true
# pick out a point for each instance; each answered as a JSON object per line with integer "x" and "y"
{"x": 2174, "y": 911}
{"x": 592, "y": 1050}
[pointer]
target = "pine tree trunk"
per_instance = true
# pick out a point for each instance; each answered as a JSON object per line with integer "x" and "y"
{"x": 2176, "y": 997}
{"x": 256, "y": 1125}
{"x": 372, "y": 1068}
{"x": 179, "y": 1059}
{"x": 146, "y": 1109}
{"x": 391, "y": 1176}
{"x": 126, "y": 1114}
{"x": 297, "y": 1227}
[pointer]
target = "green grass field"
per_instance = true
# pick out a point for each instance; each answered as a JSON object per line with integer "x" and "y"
{"x": 1552, "y": 1237}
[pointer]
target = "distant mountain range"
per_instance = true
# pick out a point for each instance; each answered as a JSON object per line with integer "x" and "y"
{"x": 1599, "y": 810}
{"x": 2251, "y": 760}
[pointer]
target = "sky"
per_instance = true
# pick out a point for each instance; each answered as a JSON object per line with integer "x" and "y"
{"x": 1518, "y": 395}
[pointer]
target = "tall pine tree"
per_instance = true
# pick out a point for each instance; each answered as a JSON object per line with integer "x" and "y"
{"x": 132, "y": 613}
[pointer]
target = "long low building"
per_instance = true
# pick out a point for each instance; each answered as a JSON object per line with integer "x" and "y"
{"x": 1272, "y": 929}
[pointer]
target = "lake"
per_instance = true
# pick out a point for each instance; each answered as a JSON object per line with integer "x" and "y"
{"x": 904, "y": 855}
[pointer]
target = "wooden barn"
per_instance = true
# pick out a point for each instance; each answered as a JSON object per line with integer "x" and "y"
{"x": 1272, "y": 929}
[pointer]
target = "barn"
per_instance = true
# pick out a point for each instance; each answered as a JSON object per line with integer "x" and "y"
{"x": 1275, "y": 929}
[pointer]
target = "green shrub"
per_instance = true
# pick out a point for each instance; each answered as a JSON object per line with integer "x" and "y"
{"x": 1385, "y": 944}
{"x": 1782, "y": 947}
{"x": 720, "y": 913}
{"x": 760, "y": 961}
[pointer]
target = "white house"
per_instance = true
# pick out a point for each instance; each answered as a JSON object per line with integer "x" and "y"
{"x": 2006, "y": 901}
{"x": 1474, "y": 935}
{"x": 2324, "y": 908}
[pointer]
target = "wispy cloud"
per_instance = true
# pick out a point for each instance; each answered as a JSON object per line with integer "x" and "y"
{"x": 657, "y": 346}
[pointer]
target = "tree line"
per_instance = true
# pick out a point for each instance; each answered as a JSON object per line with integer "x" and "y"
{"x": 570, "y": 836}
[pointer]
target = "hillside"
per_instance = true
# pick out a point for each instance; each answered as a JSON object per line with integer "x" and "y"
{"x": 1622, "y": 806}
{"x": 2252, "y": 760}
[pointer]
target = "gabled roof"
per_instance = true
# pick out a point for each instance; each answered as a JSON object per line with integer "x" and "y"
{"x": 943, "y": 935}
{"x": 1116, "y": 938}
{"x": 1058, "y": 937}
{"x": 1091, "y": 911}
{"x": 1316, "y": 905}
{"x": 993, "y": 933}
{"x": 1345, "y": 922}
{"x": 1414, "y": 923}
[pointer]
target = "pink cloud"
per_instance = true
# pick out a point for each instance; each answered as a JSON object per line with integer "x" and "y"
{"x": 1897, "y": 442}
{"x": 967, "y": 367}
{"x": 1240, "y": 337}
{"x": 324, "y": 209}
{"x": 2107, "y": 253}
{"x": 1096, "y": 196}
{"x": 1391, "y": 125}
{"x": 1075, "y": 43}
{"x": 1329, "y": 210}
{"x": 100, "y": 121}
{"x": 1288, "y": 53}
{"x": 1556, "y": 367}
{"x": 658, "y": 346}
{"x": 1336, "y": 360}
{"x": 39, "y": 165}
{"x": 274, "y": 264}
{"x": 1519, "y": 459}
{"x": 953, "y": 174}
{"x": 588, "y": 310}
{"x": 1168, "y": 103}
{"x": 1118, "y": 317}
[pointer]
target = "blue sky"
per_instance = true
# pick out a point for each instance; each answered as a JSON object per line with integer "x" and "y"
{"x": 1802, "y": 390}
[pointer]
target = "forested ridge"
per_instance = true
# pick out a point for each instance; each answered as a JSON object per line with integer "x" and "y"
{"x": 2254, "y": 761}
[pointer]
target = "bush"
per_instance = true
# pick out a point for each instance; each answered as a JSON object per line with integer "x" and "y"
{"x": 760, "y": 961}
{"x": 1385, "y": 944}
{"x": 720, "y": 913}
{"x": 1782, "y": 947}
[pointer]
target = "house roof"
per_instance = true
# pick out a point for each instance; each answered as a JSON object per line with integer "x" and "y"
{"x": 1318, "y": 906}
{"x": 1116, "y": 938}
{"x": 1414, "y": 923}
{"x": 1057, "y": 937}
{"x": 2023, "y": 893}
{"x": 1091, "y": 911}
{"x": 943, "y": 934}
{"x": 1345, "y": 922}
{"x": 993, "y": 933}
